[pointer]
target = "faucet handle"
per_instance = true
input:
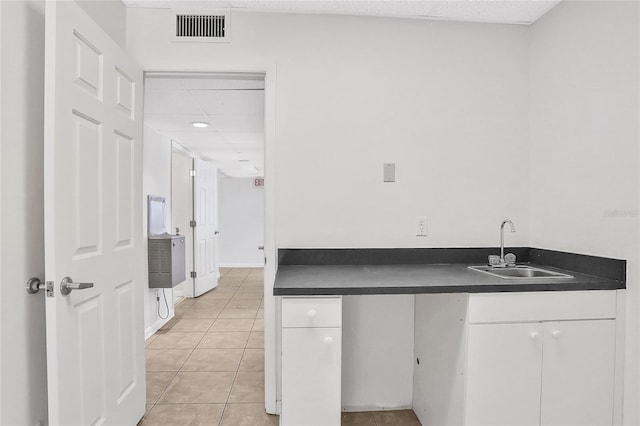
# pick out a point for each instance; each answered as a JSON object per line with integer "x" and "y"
{"x": 510, "y": 259}
{"x": 494, "y": 260}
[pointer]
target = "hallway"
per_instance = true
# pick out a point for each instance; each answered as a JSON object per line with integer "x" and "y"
{"x": 206, "y": 366}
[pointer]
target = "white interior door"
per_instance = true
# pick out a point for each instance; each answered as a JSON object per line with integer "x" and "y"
{"x": 205, "y": 215}
{"x": 182, "y": 214}
{"x": 93, "y": 224}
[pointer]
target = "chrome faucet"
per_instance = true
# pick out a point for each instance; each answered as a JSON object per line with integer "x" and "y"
{"x": 502, "y": 261}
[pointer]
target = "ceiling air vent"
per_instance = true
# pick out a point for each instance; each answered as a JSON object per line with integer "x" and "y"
{"x": 202, "y": 27}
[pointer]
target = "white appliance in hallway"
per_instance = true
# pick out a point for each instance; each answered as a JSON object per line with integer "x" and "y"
{"x": 94, "y": 256}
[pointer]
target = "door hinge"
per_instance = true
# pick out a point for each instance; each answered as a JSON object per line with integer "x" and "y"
{"x": 192, "y": 173}
{"x": 192, "y": 223}
{"x": 194, "y": 274}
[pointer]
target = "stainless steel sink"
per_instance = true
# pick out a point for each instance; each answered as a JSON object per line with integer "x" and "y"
{"x": 519, "y": 272}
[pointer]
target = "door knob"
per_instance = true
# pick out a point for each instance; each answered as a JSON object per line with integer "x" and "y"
{"x": 312, "y": 313}
{"x": 556, "y": 334}
{"x": 260, "y": 247}
{"x": 67, "y": 285}
{"x": 34, "y": 285}
{"x": 534, "y": 335}
{"x": 328, "y": 340}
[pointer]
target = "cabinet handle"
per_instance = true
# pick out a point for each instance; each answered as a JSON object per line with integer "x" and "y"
{"x": 534, "y": 335}
{"x": 328, "y": 340}
{"x": 312, "y": 313}
{"x": 556, "y": 334}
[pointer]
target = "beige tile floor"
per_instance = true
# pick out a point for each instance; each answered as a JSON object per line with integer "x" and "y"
{"x": 206, "y": 365}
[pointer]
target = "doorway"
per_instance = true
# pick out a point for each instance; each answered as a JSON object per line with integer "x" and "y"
{"x": 218, "y": 336}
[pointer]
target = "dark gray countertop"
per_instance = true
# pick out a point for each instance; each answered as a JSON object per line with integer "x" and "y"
{"x": 293, "y": 280}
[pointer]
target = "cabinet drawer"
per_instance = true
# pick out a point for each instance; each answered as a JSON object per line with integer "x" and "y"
{"x": 311, "y": 312}
{"x": 541, "y": 306}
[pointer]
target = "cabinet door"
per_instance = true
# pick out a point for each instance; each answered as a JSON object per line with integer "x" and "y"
{"x": 504, "y": 366}
{"x": 311, "y": 388}
{"x": 578, "y": 373}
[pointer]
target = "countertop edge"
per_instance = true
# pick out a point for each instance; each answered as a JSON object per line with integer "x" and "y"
{"x": 508, "y": 288}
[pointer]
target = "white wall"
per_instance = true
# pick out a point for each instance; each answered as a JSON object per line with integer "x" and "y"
{"x": 432, "y": 96}
{"x": 584, "y": 156}
{"x": 240, "y": 222}
{"x": 377, "y": 352}
{"x": 156, "y": 180}
{"x": 448, "y": 102}
{"x": 23, "y": 384}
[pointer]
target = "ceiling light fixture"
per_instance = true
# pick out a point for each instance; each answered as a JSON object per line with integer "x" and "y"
{"x": 200, "y": 124}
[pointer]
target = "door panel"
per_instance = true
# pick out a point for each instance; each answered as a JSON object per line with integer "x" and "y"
{"x": 504, "y": 363}
{"x": 125, "y": 157}
{"x": 578, "y": 373}
{"x": 93, "y": 224}
{"x": 206, "y": 264}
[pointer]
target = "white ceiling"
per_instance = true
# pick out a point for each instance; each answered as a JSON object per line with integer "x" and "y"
{"x": 494, "y": 11}
{"x": 233, "y": 105}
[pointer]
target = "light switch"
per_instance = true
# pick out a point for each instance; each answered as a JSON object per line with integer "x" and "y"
{"x": 389, "y": 172}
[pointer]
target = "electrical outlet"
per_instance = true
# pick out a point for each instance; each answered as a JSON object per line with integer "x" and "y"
{"x": 421, "y": 226}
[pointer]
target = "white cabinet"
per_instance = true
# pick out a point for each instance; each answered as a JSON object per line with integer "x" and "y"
{"x": 526, "y": 359}
{"x": 503, "y": 374}
{"x": 556, "y": 373}
{"x": 578, "y": 373}
{"x": 311, "y": 361}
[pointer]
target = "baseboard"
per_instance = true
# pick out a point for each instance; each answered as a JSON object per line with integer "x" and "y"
{"x": 241, "y": 265}
{"x": 151, "y": 330}
{"x": 355, "y": 409}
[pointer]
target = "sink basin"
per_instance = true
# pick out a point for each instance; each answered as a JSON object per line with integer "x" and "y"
{"x": 519, "y": 272}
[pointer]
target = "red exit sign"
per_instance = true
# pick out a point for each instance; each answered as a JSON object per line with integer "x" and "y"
{"x": 258, "y": 182}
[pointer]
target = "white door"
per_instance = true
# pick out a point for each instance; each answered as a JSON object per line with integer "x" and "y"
{"x": 504, "y": 369}
{"x": 578, "y": 373}
{"x": 182, "y": 214}
{"x": 205, "y": 235}
{"x": 93, "y": 224}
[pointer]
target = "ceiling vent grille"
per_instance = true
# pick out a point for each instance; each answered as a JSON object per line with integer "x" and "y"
{"x": 202, "y": 27}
